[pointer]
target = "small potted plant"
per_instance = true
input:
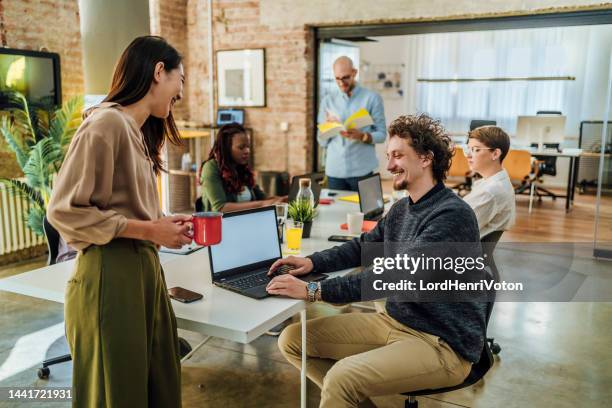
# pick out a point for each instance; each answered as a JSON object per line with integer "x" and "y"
{"x": 303, "y": 211}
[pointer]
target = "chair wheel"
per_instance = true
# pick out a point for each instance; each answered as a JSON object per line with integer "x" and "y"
{"x": 495, "y": 348}
{"x": 43, "y": 373}
{"x": 184, "y": 347}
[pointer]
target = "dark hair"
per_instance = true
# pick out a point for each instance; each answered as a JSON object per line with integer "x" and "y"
{"x": 132, "y": 80}
{"x": 493, "y": 137}
{"x": 235, "y": 176}
{"x": 428, "y": 138}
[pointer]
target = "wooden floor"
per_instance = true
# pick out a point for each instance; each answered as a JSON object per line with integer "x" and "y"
{"x": 548, "y": 221}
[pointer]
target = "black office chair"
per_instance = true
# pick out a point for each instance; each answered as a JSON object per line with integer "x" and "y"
{"x": 545, "y": 165}
{"x": 476, "y": 123}
{"x": 489, "y": 348}
{"x": 53, "y": 238}
{"x": 489, "y": 242}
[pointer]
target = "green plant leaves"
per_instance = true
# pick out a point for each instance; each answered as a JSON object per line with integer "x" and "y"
{"x": 21, "y": 115}
{"x": 21, "y": 189}
{"x": 66, "y": 121}
{"x": 9, "y": 132}
{"x": 42, "y": 160}
{"x": 39, "y": 140}
{"x": 35, "y": 220}
{"x": 301, "y": 210}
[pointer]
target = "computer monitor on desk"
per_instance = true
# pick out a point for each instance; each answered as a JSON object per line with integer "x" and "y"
{"x": 539, "y": 129}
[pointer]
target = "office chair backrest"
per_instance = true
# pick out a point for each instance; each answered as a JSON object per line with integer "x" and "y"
{"x": 518, "y": 164}
{"x": 548, "y": 164}
{"x": 53, "y": 239}
{"x": 476, "y": 123}
{"x": 459, "y": 165}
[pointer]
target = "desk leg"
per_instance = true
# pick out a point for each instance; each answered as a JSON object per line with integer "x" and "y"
{"x": 193, "y": 350}
{"x": 570, "y": 177}
{"x": 303, "y": 373}
{"x": 575, "y": 179}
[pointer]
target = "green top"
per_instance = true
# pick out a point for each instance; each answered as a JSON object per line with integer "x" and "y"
{"x": 214, "y": 195}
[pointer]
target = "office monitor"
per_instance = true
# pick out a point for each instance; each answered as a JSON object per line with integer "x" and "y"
{"x": 540, "y": 129}
{"x": 34, "y": 74}
{"x": 226, "y": 116}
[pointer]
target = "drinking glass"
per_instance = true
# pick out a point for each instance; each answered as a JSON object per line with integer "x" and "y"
{"x": 294, "y": 236}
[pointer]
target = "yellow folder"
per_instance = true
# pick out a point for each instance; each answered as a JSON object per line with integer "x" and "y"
{"x": 359, "y": 119}
{"x": 353, "y": 198}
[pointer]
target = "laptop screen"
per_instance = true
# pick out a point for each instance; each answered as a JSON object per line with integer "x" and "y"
{"x": 370, "y": 194}
{"x": 247, "y": 238}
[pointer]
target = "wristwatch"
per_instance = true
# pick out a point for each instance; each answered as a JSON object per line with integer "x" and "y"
{"x": 312, "y": 288}
{"x": 365, "y": 138}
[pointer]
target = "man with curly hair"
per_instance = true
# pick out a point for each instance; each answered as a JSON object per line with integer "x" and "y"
{"x": 410, "y": 345}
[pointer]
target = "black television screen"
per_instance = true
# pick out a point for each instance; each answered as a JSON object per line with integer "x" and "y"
{"x": 35, "y": 74}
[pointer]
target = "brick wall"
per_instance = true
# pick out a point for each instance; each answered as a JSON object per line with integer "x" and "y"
{"x": 169, "y": 19}
{"x": 49, "y": 24}
{"x": 236, "y": 25}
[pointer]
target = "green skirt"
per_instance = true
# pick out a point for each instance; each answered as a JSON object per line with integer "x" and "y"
{"x": 121, "y": 329}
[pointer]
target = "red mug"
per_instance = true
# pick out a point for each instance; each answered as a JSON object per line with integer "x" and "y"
{"x": 207, "y": 228}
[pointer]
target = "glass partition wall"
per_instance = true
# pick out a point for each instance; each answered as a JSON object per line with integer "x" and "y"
{"x": 603, "y": 206}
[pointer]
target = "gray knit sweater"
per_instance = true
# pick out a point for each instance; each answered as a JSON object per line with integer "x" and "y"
{"x": 440, "y": 216}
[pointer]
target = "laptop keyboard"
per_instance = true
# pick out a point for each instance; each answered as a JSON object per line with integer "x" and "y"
{"x": 258, "y": 279}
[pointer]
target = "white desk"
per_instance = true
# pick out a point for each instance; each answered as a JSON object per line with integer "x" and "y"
{"x": 566, "y": 152}
{"x": 221, "y": 313}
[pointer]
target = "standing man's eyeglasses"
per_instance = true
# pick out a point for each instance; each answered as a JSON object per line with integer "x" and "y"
{"x": 345, "y": 78}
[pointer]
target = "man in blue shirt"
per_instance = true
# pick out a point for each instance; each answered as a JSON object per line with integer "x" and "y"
{"x": 352, "y": 154}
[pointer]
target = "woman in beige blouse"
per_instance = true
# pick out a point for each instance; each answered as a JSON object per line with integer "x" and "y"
{"x": 120, "y": 325}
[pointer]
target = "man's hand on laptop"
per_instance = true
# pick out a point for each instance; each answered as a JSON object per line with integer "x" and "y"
{"x": 287, "y": 285}
{"x": 300, "y": 266}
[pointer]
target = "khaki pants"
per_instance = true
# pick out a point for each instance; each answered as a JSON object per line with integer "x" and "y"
{"x": 354, "y": 356}
{"x": 121, "y": 329}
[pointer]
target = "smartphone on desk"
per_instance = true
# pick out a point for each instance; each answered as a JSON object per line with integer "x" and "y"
{"x": 184, "y": 295}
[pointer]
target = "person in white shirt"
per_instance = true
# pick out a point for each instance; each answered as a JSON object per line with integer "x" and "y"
{"x": 492, "y": 196}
